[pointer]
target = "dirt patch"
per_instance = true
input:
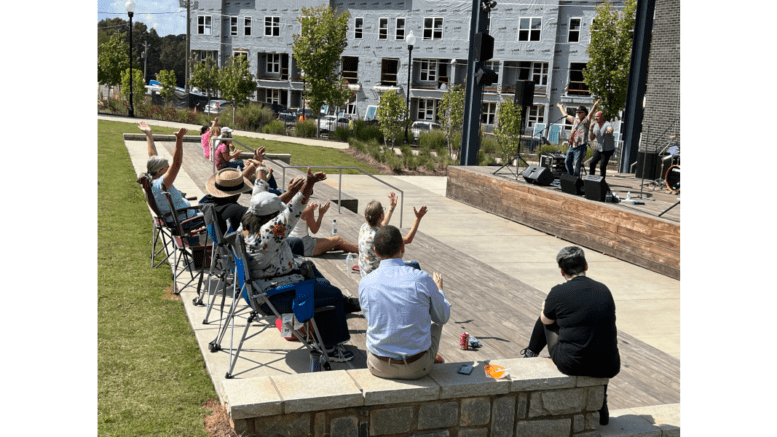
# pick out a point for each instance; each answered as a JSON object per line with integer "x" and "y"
{"x": 169, "y": 294}
{"x": 386, "y": 170}
{"x": 217, "y": 424}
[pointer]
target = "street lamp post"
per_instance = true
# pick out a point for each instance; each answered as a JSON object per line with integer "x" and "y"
{"x": 130, "y": 5}
{"x": 410, "y": 40}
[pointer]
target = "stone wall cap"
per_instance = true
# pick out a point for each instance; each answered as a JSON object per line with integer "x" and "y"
{"x": 253, "y": 397}
{"x": 317, "y": 391}
{"x": 380, "y": 391}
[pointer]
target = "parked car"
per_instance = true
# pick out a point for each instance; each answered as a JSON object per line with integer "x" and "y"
{"x": 329, "y": 123}
{"x": 288, "y": 118}
{"x": 276, "y": 108}
{"x": 216, "y": 106}
{"x": 423, "y": 126}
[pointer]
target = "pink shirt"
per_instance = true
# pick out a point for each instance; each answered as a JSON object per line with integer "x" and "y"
{"x": 222, "y": 148}
{"x": 205, "y": 143}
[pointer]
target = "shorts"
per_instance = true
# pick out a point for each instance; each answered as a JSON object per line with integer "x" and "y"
{"x": 310, "y": 245}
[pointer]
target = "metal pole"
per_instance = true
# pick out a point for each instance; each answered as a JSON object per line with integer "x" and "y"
{"x": 339, "y": 191}
{"x": 145, "y": 59}
{"x": 473, "y": 99}
{"x": 131, "y": 108}
{"x": 409, "y": 74}
{"x": 188, "y": 42}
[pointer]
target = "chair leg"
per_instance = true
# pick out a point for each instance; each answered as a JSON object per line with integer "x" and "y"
{"x": 212, "y": 295}
{"x": 233, "y": 361}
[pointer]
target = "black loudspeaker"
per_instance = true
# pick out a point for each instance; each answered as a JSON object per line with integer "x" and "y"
{"x": 534, "y": 174}
{"x": 524, "y": 93}
{"x": 650, "y": 163}
{"x": 484, "y": 46}
{"x": 595, "y": 188}
{"x": 571, "y": 184}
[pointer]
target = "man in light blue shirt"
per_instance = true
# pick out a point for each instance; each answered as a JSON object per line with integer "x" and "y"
{"x": 405, "y": 309}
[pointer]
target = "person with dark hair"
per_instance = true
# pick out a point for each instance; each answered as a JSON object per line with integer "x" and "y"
{"x": 225, "y": 152}
{"x": 376, "y": 217}
{"x": 205, "y": 136}
{"x": 577, "y": 323}
{"x": 578, "y": 139}
{"x": 405, "y": 310}
{"x": 601, "y": 131}
{"x": 307, "y": 223}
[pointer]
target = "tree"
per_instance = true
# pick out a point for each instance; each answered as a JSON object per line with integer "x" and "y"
{"x": 317, "y": 49}
{"x": 138, "y": 86}
{"x": 508, "y": 130}
{"x": 236, "y": 82}
{"x": 173, "y": 56}
{"x": 391, "y": 116}
{"x": 607, "y": 73}
{"x": 167, "y": 81}
{"x": 205, "y": 75}
{"x": 450, "y": 113}
{"x": 112, "y": 60}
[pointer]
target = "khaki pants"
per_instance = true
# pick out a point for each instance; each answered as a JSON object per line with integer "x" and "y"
{"x": 399, "y": 370}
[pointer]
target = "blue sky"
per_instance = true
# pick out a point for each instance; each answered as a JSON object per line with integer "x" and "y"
{"x": 164, "y": 15}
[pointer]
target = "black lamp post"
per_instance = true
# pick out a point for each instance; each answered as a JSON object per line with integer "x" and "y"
{"x": 130, "y": 5}
{"x": 410, "y": 40}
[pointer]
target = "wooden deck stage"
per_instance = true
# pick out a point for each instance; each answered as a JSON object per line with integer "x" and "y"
{"x": 497, "y": 309}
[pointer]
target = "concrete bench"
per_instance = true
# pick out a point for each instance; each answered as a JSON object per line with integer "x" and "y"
{"x": 538, "y": 400}
{"x": 161, "y": 137}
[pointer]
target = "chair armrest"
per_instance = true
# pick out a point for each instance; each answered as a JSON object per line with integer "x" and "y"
{"x": 191, "y": 198}
{"x": 326, "y": 308}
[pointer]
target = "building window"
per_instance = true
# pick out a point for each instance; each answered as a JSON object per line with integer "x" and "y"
{"x": 574, "y": 30}
{"x": 358, "y": 28}
{"x": 426, "y": 109}
{"x": 247, "y": 26}
{"x": 350, "y": 108}
{"x": 273, "y": 62}
{"x": 428, "y": 70}
{"x": 273, "y": 96}
{"x": 529, "y": 29}
{"x": 204, "y": 25}
{"x": 432, "y": 28}
{"x": 233, "y": 26}
{"x": 488, "y": 114}
{"x": 351, "y": 69}
{"x": 534, "y": 71}
{"x": 383, "y": 33}
{"x": 201, "y": 55}
{"x": 272, "y": 26}
{"x": 240, "y": 53}
{"x": 400, "y": 32}
{"x": 576, "y": 83}
{"x": 536, "y": 115}
{"x": 388, "y": 71}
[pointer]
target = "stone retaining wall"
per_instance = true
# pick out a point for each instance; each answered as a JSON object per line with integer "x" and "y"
{"x": 538, "y": 400}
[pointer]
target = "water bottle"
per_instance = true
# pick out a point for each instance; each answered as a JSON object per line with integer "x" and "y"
{"x": 349, "y": 262}
{"x": 315, "y": 361}
{"x": 608, "y": 197}
{"x": 334, "y": 228}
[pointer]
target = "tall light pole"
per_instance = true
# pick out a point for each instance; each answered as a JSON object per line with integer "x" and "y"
{"x": 410, "y": 40}
{"x": 130, "y": 5}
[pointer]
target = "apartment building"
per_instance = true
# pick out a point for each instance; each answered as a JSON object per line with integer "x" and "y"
{"x": 543, "y": 41}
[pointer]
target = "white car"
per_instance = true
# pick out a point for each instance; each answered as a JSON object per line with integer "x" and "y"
{"x": 216, "y": 106}
{"x": 329, "y": 123}
{"x": 423, "y": 126}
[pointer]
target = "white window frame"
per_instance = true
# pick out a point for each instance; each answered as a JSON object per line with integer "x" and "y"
{"x": 541, "y": 78}
{"x": 272, "y": 95}
{"x": 240, "y": 52}
{"x": 399, "y": 28}
{"x": 273, "y": 63}
{"x": 383, "y": 31}
{"x": 428, "y": 70}
{"x": 350, "y": 108}
{"x": 358, "y": 28}
{"x": 489, "y": 112}
{"x": 233, "y": 25}
{"x": 272, "y": 27}
{"x": 426, "y": 109}
{"x": 536, "y": 115}
{"x": 434, "y": 28}
{"x": 578, "y": 31}
{"x": 204, "y": 25}
{"x": 530, "y": 29}
{"x": 569, "y": 80}
{"x": 247, "y": 22}
{"x": 201, "y": 55}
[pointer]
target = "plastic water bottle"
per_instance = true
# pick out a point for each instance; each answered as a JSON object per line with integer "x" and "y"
{"x": 334, "y": 228}
{"x": 349, "y": 262}
{"x": 628, "y": 196}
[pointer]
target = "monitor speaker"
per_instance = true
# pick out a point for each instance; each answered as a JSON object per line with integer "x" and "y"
{"x": 534, "y": 174}
{"x": 596, "y": 188}
{"x": 649, "y": 164}
{"x": 524, "y": 93}
{"x": 571, "y": 184}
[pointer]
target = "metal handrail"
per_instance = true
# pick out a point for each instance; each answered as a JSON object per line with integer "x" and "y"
{"x": 339, "y": 182}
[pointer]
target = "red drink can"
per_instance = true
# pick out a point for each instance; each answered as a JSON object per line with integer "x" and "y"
{"x": 464, "y": 341}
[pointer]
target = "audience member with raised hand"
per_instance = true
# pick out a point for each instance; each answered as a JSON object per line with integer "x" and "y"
{"x": 316, "y": 246}
{"x": 206, "y": 133}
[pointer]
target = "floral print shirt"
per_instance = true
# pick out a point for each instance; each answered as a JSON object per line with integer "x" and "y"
{"x": 269, "y": 255}
{"x": 368, "y": 259}
{"x": 579, "y": 134}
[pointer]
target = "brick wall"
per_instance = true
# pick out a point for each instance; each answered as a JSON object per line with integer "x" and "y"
{"x": 662, "y": 105}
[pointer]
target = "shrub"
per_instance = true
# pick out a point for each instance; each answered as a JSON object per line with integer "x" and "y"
{"x": 364, "y": 132}
{"x": 255, "y": 116}
{"x": 489, "y": 144}
{"x": 305, "y": 129}
{"x": 430, "y": 163}
{"x": 356, "y": 144}
{"x": 411, "y": 161}
{"x": 392, "y": 160}
{"x": 276, "y": 127}
{"x": 434, "y": 139}
{"x": 342, "y": 133}
{"x": 550, "y": 148}
{"x": 485, "y": 158}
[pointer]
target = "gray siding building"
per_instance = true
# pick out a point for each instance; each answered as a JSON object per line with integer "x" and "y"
{"x": 540, "y": 41}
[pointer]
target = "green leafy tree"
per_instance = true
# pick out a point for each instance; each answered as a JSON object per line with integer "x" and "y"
{"x": 138, "y": 86}
{"x": 607, "y": 73}
{"x": 391, "y": 116}
{"x": 205, "y": 75}
{"x": 112, "y": 60}
{"x": 317, "y": 49}
{"x": 167, "y": 81}
{"x": 450, "y": 114}
{"x": 236, "y": 82}
{"x": 508, "y": 130}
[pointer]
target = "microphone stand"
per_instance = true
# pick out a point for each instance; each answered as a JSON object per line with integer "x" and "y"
{"x": 644, "y": 161}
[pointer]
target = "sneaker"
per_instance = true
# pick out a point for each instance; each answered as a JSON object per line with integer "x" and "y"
{"x": 339, "y": 354}
{"x": 528, "y": 353}
{"x": 351, "y": 305}
{"x": 355, "y": 268}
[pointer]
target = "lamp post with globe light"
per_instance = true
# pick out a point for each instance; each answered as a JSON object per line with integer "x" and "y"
{"x": 410, "y": 40}
{"x": 130, "y": 5}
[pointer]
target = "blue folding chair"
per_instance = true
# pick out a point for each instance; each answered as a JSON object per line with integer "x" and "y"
{"x": 554, "y": 133}
{"x": 221, "y": 264}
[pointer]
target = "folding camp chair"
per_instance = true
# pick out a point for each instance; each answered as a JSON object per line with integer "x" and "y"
{"x": 221, "y": 264}
{"x": 303, "y": 307}
{"x": 159, "y": 228}
{"x": 185, "y": 239}
{"x": 554, "y": 133}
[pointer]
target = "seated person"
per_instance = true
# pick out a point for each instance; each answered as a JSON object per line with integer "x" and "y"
{"x": 162, "y": 175}
{"x": 405, "y": 309}
{"x": 376, "y": 218}
{"x": 225, "y": 152}
{"x": 577, "y": 323}
{"x": 316, "y": 246}
{"x": 266, "y": 226}
{"x": 206, "y": 133}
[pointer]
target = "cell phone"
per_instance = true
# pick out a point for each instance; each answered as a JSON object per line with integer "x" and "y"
{"x": 465, "y": 369}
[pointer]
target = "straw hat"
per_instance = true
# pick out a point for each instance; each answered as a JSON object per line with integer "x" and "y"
{"x": 228, "y": 182}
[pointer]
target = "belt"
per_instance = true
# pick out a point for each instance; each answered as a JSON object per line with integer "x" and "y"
{"x": 408, "y": 360}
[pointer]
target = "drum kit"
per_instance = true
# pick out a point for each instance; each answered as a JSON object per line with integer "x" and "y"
{"x": 670, "y": 167}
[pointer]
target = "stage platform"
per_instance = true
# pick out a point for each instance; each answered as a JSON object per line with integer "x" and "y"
{"x": 632, "y": 233}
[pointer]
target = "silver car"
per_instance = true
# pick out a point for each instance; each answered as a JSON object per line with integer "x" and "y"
{"x": 423, "y": 126}
{"x": 216, "y": 106}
